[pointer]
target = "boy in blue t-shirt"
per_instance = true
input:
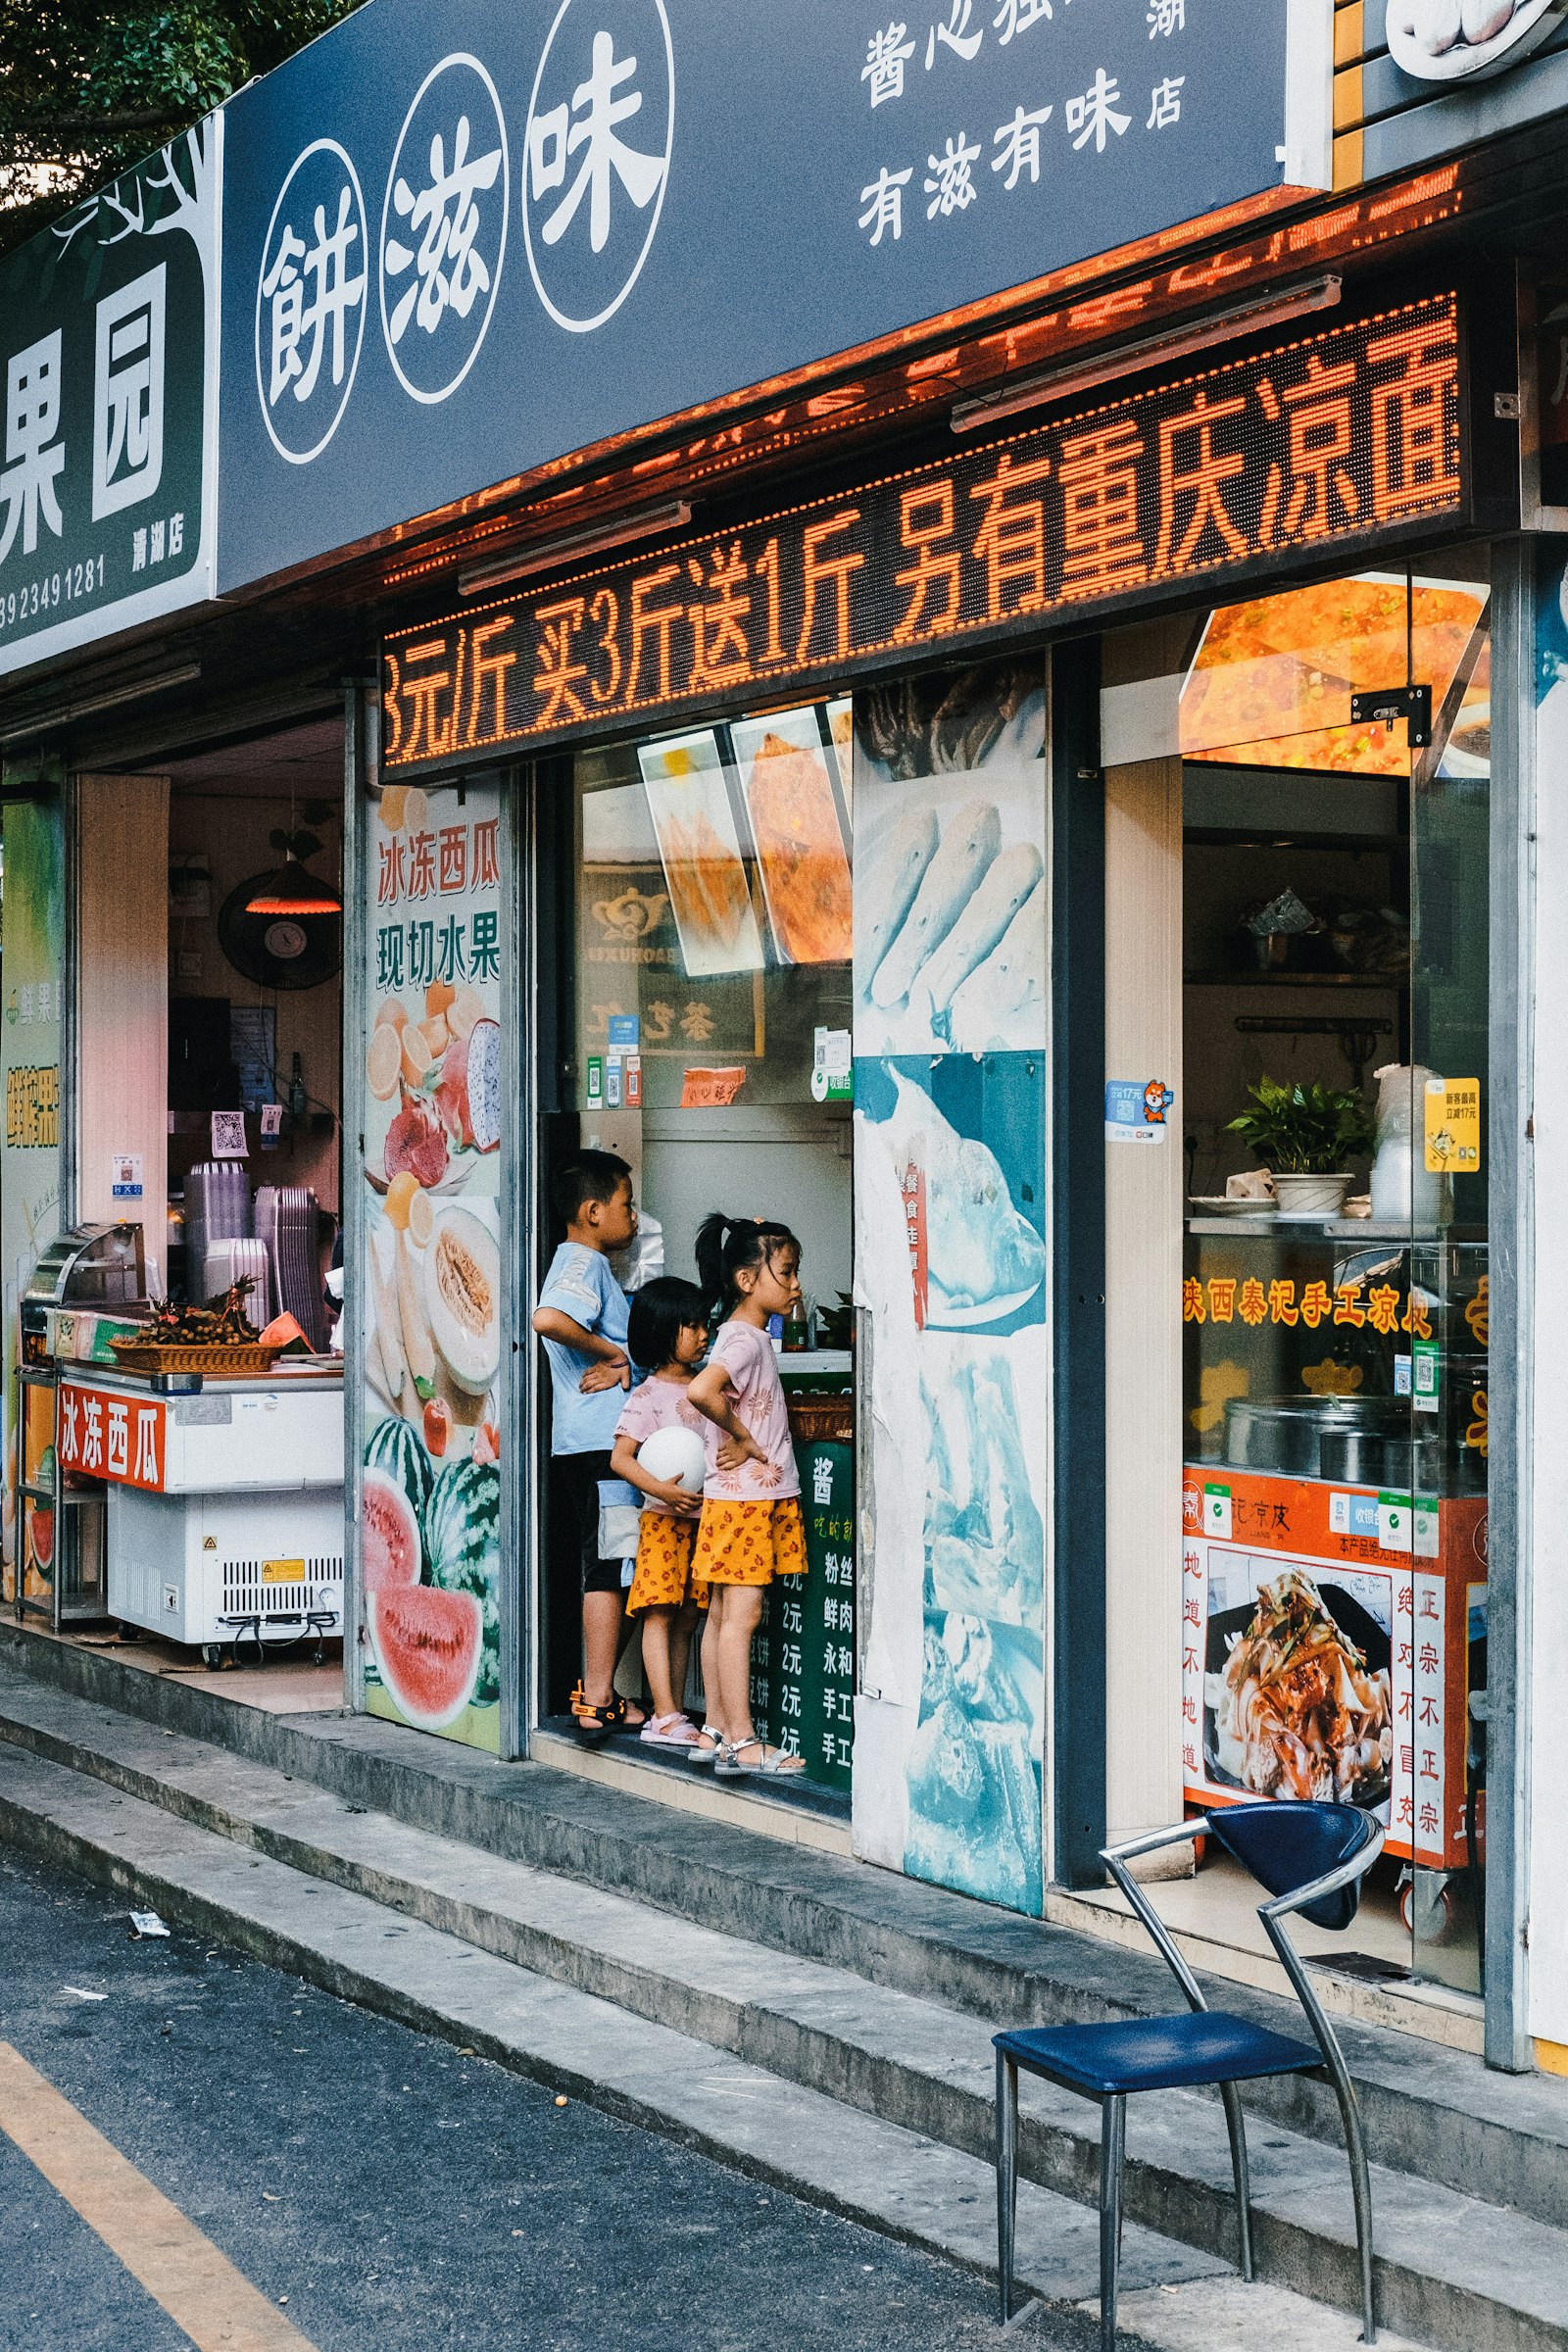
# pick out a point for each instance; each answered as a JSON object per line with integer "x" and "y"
{"x": 581, "y": 1318}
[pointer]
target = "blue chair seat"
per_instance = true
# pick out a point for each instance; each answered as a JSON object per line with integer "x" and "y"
{"x": 1156, "y": 2053}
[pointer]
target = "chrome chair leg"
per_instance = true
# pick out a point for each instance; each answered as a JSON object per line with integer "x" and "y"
{"x": 1361, "y": 2192}
{"x": 1006, "y": 2175}
{"x": 1237, "y": 2128}
{"x": 1112, "y": 2151}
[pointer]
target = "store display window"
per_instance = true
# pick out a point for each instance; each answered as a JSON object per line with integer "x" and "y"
{"x": 1335, "y": 1288}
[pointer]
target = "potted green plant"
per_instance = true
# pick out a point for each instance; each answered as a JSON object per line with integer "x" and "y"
{"x": 1305, "y": 1136}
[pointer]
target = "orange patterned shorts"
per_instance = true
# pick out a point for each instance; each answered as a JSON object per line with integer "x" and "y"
{"x": 749, "y": 1542}
{"x": 663, "y": 1577}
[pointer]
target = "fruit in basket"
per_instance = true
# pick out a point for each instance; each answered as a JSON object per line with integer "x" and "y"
{"x": 390, "y": 1548}
{"x": 393, "y": 1446}
{"x": 429, "y": 1646}
{"x": 468, "y": 1097}
{"x": 463, "y": 1298}
{"x": 462, "y": 1540}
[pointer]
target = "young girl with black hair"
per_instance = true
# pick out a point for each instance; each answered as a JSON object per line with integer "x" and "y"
{"x": 666, "y": 1335}
{"x": 752, "y": 1530}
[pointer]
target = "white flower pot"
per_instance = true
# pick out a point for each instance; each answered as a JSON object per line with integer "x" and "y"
{"x": 1311, "y": 1196}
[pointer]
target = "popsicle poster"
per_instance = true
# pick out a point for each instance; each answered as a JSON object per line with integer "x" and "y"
{"x": 953, "y": 1261}
{"x": 952, "y": 884}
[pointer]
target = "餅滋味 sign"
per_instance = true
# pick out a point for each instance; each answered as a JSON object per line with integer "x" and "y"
{"x": 460, "y": 243}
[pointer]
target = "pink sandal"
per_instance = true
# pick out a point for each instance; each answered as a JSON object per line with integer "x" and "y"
{"x": 669, "y": 1730}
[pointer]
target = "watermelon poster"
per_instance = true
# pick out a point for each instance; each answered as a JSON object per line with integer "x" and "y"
{"x": 31, "y": 839}
{"x": 430, "y": 1506}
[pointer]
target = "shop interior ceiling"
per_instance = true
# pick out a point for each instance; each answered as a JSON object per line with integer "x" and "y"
{"x": 306, "y": 761}
{"x": 285, "y": 651}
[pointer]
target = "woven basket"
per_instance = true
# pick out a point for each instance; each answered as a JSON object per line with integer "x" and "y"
{"x": 161, "y": 1356}
{"x": 822, "y": 1420}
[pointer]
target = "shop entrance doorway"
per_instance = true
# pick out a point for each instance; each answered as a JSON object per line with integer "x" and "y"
{"x": 705, "y": 1040}
{"x": 1331, "y": 1122}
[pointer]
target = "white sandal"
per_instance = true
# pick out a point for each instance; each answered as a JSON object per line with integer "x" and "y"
{"x": 675, "y": 1731}
{"x": 706, "y": 1747}
{"x": 777, "y": 1763}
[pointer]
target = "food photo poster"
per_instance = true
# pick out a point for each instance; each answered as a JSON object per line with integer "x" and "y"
{"x": 430, "y": 1494}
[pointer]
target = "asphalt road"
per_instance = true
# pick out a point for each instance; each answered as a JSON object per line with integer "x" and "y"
{"x": 399, "y": 2195}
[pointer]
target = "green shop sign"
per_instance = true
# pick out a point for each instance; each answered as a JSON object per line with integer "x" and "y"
{"x": 108, "y": 348}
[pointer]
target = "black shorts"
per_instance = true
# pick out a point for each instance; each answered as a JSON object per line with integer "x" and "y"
{"x": 574, "y": 1519}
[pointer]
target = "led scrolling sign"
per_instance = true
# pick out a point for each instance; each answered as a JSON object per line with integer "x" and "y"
{"x": 1328, "y": 437}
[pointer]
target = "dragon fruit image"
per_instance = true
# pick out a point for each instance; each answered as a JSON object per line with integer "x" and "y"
{"x": 468, "y": 1096}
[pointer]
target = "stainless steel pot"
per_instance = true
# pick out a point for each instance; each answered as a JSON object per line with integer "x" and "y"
{"x": 1280, "y": 1436}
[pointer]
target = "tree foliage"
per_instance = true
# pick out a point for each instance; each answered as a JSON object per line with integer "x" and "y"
{"x": 85, "y": 89}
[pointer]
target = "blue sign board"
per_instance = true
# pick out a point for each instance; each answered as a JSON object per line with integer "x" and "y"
{"x": 462, "y": 241}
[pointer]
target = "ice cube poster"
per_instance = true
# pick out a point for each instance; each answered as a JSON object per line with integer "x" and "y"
{"x": 430, "y": 1338}
{"x": 953, "y": 1261}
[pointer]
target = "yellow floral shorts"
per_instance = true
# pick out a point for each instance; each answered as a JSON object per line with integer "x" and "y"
{"x": 749, "y": 1542}
{"x": 663, "y": 1577}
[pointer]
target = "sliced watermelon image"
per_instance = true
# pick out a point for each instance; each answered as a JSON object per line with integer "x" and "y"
{"x": 41, "y": 1538}
{"x": 428, "y": 1645}
{"x": 391, "y": 1548}
{"x": 463, "y": 1543}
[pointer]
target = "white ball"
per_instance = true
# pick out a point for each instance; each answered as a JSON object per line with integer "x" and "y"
{"x": 675, "y": 1454}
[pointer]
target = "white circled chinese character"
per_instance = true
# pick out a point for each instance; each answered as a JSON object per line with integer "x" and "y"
{"x": 449, "y": 272}
{"x": 604, "y": 153}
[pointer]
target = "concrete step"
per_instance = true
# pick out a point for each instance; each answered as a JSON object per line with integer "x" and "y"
{"x": 1437, "y": 2114}
{"x": 711, "y": 2099}
{"x": 1451, "y": 2271}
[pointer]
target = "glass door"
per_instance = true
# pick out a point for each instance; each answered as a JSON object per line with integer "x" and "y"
{"x": 1335, "y": 1285}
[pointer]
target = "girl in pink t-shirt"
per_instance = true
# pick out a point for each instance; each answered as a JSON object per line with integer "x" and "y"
{"x": 752, "y": 1530}
{"x": 666, "y": 1334}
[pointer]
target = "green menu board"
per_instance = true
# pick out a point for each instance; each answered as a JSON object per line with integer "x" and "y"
{"x": 802, "y": 1660}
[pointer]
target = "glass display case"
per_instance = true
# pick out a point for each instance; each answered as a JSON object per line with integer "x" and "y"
{"x": 90, "y": 1275}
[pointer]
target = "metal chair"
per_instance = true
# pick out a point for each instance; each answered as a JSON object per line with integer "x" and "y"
{"x": 1312, "y": 1860}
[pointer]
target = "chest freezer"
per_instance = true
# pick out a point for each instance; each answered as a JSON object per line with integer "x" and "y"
{"x": 227, "y": 1569}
